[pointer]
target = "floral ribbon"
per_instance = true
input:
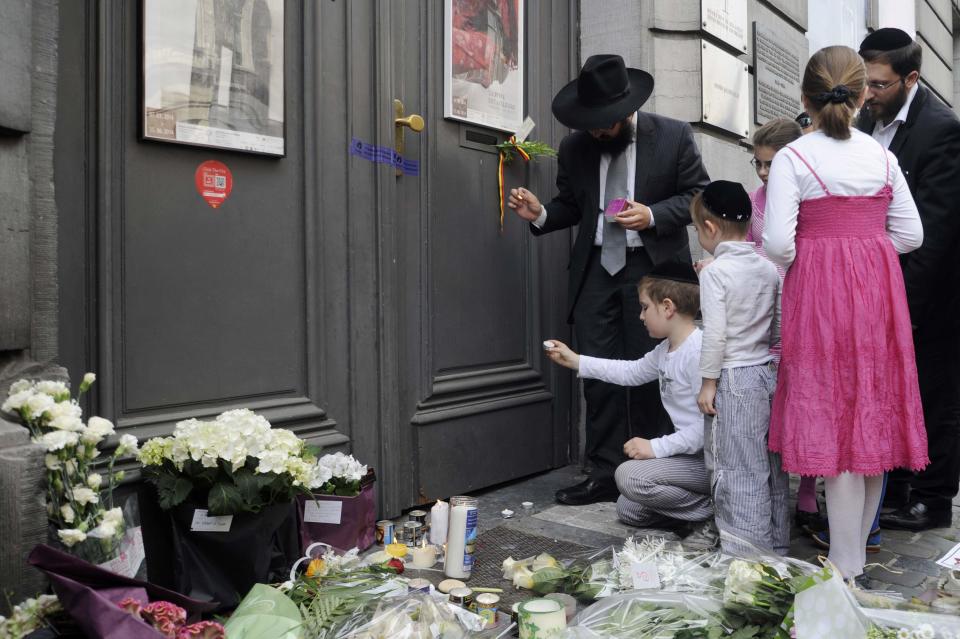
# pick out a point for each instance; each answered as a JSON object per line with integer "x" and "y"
{"x": 526, "y": 158}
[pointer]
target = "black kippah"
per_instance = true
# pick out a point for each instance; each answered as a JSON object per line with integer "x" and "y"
{"x": 675, "y": 270}
{"x": 886, "y": 39}
{"x": 727, "y": 200}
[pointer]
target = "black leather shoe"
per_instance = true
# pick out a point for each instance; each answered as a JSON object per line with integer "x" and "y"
{"x": 916, "y": 516}
{"x": 588, "y": 492}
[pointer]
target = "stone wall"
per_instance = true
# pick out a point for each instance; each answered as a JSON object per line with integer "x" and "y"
{"x": 28, "y": 268}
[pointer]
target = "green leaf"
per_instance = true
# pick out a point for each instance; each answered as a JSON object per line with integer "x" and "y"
{"x": 172, "y": 490}
{"x": 224, "y": 499}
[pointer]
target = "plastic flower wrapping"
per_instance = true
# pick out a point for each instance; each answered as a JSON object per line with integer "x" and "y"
{"x": 236, "y": 463}
{"x": 80, "y": 484}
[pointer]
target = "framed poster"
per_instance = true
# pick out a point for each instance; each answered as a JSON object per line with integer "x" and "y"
{"x": 483, "y": 62}
{"x": 212, "y": 74}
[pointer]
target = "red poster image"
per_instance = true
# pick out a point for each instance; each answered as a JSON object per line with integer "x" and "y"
{"x": 214, "y": 182}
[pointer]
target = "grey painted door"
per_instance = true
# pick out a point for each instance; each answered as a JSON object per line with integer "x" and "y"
{"x": 481, "y": 402}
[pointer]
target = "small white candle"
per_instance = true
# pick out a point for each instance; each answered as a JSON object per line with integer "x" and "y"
{"x": 438, "y": 522}
{"x": 424, "y": 557}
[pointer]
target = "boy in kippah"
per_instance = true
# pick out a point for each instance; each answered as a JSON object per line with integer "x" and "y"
{"x": 664, "y": 484}
{"x": 739, "y": 301}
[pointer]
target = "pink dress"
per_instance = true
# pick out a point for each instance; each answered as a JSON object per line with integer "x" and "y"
{"x": 847, "y": 397}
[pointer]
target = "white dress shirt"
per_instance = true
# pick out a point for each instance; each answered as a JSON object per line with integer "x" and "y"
{"x": 848, "y": 167}
{"x": 884, "y": 134}
{"x": 679, "y": 375}
{"x": 740, "y": 303}
{"x": 633, "y": 238}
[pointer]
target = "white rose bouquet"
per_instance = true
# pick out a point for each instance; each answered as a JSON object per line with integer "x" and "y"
{"x": 79, "y": 498}
{"x": 235, "y": 463}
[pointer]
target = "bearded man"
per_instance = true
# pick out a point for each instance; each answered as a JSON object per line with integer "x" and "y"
{"x": 924, "y": 134}
{"x": 617, "y": 152}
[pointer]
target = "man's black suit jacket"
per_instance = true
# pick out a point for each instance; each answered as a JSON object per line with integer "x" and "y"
{"x": 927, "y": 146}
{"x": 668, "y": 174}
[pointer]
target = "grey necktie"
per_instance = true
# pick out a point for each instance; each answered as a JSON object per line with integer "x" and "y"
{"x": 613, "y": 254}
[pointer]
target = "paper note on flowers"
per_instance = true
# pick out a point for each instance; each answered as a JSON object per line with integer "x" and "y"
{"x": 951, "y": 559}
{"x": 202, "y": 522}
{"x": 644, "y": 574}
{"x": 322, "y": 511}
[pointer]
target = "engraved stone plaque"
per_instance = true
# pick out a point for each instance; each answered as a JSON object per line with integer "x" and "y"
{"x": 726, "y": 20}
{"x": 725, "y": 90}
{"x": 778, "y": 74}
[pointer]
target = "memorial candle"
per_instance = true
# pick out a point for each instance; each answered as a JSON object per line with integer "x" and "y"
{"x": 461, "y": 537}
{"x": 439, "y": 515}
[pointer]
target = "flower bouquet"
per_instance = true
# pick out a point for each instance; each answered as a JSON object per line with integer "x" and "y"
{"x": 80, "y": 508}
{"x": 342, "y": 511}
{"x": 225, "y": 488}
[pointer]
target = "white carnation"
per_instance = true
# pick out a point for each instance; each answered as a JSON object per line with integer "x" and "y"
{"x": 83, "y": 495}
{"x": 37, "y": 404}
{"x": 64, "y": 409}
{"x": 17, "y": 400}
{"x": 100, "y": 426}
{"x": 105, "y": 530}
{"x": 71, "y": 536}
{"x": 66, "y": 422}
{"x": 52, "y": 462}
{"x": 127, "y": 445}
{"x": 94, "y": 480}
{"x": 56, "y": 390}
{"x": 66, "y": 511}
{"x": 71, "y": 467}
{"x": 114, "y": 515}
{"x": 59, "y": 439}
{"x": 20, "y": 385}
{"x": 89, "y": 378}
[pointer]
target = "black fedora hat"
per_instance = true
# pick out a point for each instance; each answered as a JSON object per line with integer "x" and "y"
{"x": 604, "y": 93}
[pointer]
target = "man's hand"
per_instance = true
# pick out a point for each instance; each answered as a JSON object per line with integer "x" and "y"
{"x": 708, "y": 392}
{"x": 638, "y": 448}
{"x": 525, "y": 204}
{"x": 561, "y": 354}
{"x": 636, "y": 217}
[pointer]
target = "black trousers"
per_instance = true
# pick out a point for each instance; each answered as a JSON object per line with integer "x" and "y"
{"x": 607, "y": 324}
{"x": 938, "y": 369}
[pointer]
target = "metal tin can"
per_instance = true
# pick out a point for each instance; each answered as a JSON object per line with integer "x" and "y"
{"x": 418, "y": 586}
{"x": 486, "y": 605}
{"x": 418, "y": 515}
{"x": 413, "y": 533}
{"x": 384, "y": 532}
{"x": 462, "y": 597}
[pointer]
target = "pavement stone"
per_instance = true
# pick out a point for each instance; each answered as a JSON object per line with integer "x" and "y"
{"x": 910, "y": 555}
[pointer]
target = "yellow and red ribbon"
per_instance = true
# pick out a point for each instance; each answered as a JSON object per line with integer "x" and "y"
{"x": 526, "y": 158}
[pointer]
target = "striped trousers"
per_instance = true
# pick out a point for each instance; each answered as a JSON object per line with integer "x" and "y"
{"x": 657, "y": 492}
{"x": 749, "y": 487}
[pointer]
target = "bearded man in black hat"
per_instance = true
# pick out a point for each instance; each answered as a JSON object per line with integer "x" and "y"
{"x": 617, "y": 153}
{"x": 924, "y": 134}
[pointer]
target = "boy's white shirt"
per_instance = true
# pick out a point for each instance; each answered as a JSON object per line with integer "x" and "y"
{"x": 740, "y": 304}
{"x": 679, "y": 375}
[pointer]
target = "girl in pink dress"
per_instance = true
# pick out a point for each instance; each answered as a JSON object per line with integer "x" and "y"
{"x": 847, "y": 404}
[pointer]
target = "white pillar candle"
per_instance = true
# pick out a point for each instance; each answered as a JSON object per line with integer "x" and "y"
{"x": 439, "y": 515}
{"x": 424, "y": 556}
{"x": 461, "y": 537}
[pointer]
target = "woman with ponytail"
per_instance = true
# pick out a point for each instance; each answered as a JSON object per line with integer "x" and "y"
{"x": 847, "y": 404}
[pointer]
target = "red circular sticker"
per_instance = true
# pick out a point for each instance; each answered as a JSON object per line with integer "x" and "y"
{"x": 214, "y": 182}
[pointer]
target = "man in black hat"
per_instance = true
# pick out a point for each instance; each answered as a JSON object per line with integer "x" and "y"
{"x": 617, "y": 153}
{"x": 924, "y": 134}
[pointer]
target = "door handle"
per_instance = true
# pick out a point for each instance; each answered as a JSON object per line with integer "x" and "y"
{"x": 413, "y": 122}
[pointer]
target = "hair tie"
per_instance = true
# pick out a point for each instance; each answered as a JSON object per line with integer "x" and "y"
{"x": 837, "y": 95}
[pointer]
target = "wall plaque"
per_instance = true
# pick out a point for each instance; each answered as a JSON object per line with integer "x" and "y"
{"x": 726, "y": 20}
{"x": 778, "y": 73}
{"x": 724, "y": 90}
